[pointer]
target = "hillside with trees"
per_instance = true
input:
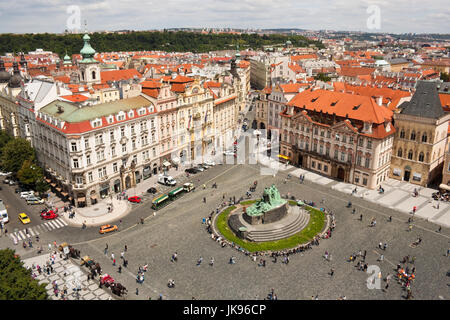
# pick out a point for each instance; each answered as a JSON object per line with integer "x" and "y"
{"x": 144, "y": 40}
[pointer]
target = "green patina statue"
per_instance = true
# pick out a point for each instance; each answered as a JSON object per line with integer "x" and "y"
{"x": 271, "y": 199}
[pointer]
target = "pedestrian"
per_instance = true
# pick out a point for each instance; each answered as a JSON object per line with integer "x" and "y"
{"x": 360, "y": 217}
{"x": 381, "y": 258}
{"x": 211, "y": 262}
{"x": 126, "y": 248}
{"x": 121, "y": 254}
{"x": 112, "y": 255}
{"x": 385, "y": 246}
{"x": 199, "y": 261}
{"x": 114, "y": 262}
{"x": 137, "y": 291}
{"x": 390, "y": 218}
{"x": 106, "y": 249}
{"x": 331, "y": 272}
{"x": 410, "y": 227}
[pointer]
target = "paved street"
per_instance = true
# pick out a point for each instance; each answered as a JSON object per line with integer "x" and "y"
{"x": 178, "y": 227}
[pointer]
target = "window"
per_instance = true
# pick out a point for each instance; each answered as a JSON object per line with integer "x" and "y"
{"x": 98, "y": 139}
{"x": 327, "y": 151}
{"x": 86, "y": 143}
{"x": 122, "y": 132}
{"x": 111, "y": 135}
{"x": 421, "y": 157}
{"x": 313, "y": 164}
{"x": 344, "y": 139}
{"x": 365, "y": 181}
{"x": 73, "y": 146}
{"x": 100, "y": 155}
{"x": 88, "y": 159}
{"x": 424, "y": 137}
{"x": 325, "y": 168}
{"x": 410, "y": 155}
{"x": 124, "y": 148}
{"x": 399, "y": 153}
{"x": 144, "y": 140}
{"x": 369, "y": 144}
{"x": 113, "y": 151}
{"x": 361, "y": 142}
{"x": 115, "y": 167}
{"x": 402, "y": 134}
{"x": 79, "y": 179}
{"x": 350, "y": 139}
{"x": 413, "y": 135}
{"x": 319, "y": 166}
{"x": 342, "y": 156}
{"x": 336, "y": 154}
{"x": 132, "y": 129}
{"x": 90, "y": 177}
{"x": 75, "y": 163}
{"x": 417, "y": 176}
{"x": 135, "y": 159}
{"x": 321, "y": 149}
{"x": 367, "y": 164}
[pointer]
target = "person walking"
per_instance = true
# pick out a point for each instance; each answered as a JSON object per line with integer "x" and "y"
{"x": 360, "y": 217}
{"x": 199, "y": 261}
{"x": 211, "y": 262}
{"x": 331, "y": 272}
{"x": 106, "y": 249}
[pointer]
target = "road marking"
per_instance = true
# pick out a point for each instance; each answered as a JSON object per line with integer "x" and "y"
{"x": 22, "y": 235}
{"x": 53, "y": 224}
{"x": 63, "y": 222}
{"x": 48, "y": 226}
{"x": 32, "y": 232}
{"x": 58, "y": 223}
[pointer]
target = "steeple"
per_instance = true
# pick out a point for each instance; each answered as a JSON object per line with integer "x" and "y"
{"x": 87, "y": 52}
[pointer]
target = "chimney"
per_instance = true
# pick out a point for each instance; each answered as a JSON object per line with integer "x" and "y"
{"x": 380, "y": 100}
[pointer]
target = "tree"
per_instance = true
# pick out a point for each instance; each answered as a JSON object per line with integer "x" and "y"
{"x": 31, "y": 175}
{"x": 445, "y": 77}
{"x": 14, "y": 153}
{"x": 322, "y": 77}
{"x": 16, "y": 282}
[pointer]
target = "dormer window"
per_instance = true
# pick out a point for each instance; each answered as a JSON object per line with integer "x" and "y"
{"x": 96, "y": 123}
{"x": 130, "y": 114}
{"x": 120, "y": 117}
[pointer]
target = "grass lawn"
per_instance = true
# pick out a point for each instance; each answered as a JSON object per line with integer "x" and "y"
{"x": 315, "y": 225}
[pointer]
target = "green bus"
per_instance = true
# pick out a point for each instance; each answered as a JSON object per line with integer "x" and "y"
{"x": 160, "y": 201}
{"x": 175, "y": 193}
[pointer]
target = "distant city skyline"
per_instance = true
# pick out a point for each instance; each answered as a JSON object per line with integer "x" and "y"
{"x": 400, "y": 16}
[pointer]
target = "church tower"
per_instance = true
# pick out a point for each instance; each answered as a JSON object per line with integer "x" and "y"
{"x": 89, "y": 68}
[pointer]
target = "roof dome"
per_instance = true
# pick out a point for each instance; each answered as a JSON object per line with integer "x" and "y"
{"x": 87, "y": 52}
{"x": 4, "y": 75}
{"x": 16, "y": 79}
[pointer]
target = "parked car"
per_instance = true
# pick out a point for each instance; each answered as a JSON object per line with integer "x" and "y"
{"x": 6, "y": 181}
{"x": 204, "y": 166}
{"x": 26, "y": 194}
{"x": 152, "y": 190}
{"x": 191, "y": 170}
{"x": 12, "y": 182}
{"x": 108, "y": 228}
{"x": 24, "y": 218}
{"x": 210, "y": 163}
{"x": 199, "y": 168}
{"x": 5, "y": 173}
{"x": 34, "y": 200}
{"x": 135, "y": 199}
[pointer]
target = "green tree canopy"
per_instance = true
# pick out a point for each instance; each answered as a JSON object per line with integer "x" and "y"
{"x": 31, "y": 176}
{"x": 322, "y": 77}
{"x": 14, "y": 153}
{"x": 16, "y": 282}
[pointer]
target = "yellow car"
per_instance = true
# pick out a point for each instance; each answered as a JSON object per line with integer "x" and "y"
{"x": 108, "y": 228}
{"x": 24, "y": 218}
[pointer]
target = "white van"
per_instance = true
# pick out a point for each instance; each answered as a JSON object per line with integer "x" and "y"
{"x": 26, "y": 194}
{"x": 3, "y": 213}
{"x": 166, "y": 180}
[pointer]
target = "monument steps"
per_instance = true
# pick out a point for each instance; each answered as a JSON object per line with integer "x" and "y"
{"x": 286, "y": 231}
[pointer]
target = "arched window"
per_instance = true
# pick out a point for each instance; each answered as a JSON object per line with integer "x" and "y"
{"x": 93, "y": 75}
{"x": 413, "y": 135}
{"x": 400, "y": 153}
{"x": 421, "y": 157}
{"x": 410, "y": 155}
{"x": 424, "y": 137}
{"x": 82, "y": 75}
{"x": 402, "y": 134}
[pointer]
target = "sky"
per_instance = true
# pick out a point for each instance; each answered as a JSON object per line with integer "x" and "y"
{"x": 393, "y": 16}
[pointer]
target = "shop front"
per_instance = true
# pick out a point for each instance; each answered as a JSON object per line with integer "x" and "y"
{"x": 147, "y": 172}
{"x": 104, "y": 190}
{"x": 117, "y": 186}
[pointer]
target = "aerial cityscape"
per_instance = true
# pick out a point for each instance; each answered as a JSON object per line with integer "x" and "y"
{"x": 252, "y": 150}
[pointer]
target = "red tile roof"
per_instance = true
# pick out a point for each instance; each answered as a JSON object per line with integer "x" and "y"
{"x": 116, "y": 75}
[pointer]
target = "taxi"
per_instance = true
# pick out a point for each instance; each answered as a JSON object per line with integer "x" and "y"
{"x": 24, "y": 218}
{"x": 108, "y": 228}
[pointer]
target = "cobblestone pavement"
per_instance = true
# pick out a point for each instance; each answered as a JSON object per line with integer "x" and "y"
{"x": 178, "y": 227}
{"x": 66, "y": 272}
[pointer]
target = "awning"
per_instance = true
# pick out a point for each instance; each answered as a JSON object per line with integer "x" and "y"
{"x": 284, "y": 157}
{"x": 81, "y": 199}
{"x": 176, "y": 160}
{"x": 64, "y": 194}
{"x": 58, "y": 189}
{"x": 166, "y": 164}
{"x": 48, "y": 180}
{"x": 444, "y": 186}
{"x": 53, "y": 185}
{"x": 94, "y": 197}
